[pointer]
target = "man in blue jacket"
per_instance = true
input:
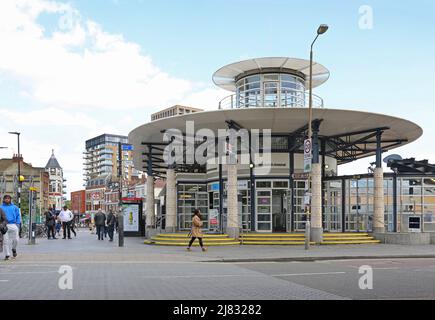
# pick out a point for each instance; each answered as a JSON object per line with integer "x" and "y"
{"x": 14, "y": 220}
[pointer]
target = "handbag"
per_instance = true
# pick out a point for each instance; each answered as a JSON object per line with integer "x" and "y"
{"x": 3, "y": 228}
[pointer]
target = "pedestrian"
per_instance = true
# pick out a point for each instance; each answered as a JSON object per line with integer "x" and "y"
{"x": 110, "y": 224}
{"x": 100, "y": 222}
{"x": 72, "y": 227}
{"x": 10, "y": 238}
{"x": 3, "y": 227}
{"x": 50, "y": 221}
{"x": 196, "y": 231}
{"x": 58, "y": 225}
{"x": 65, "y": 217}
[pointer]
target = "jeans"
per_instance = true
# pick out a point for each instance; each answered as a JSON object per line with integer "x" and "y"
{"x": 72, "y": 230}
{"x": 10, "y": 238}
{"x": 110, "y": 230}
{"x": 100, "y": 232}
{"x": 66, "y": 227}
{"x": 50, "y": 230}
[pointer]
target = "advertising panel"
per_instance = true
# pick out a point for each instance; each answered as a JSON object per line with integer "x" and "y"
{"x": 131, "y": 217}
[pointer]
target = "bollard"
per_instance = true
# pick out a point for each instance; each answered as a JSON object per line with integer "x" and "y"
{"x": 307, "y": 233}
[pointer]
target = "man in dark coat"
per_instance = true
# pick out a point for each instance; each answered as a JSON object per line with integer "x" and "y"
{"x": 50, "y": 221}
{"x": 100, "y": 223}
{"x": 111, "y": 224}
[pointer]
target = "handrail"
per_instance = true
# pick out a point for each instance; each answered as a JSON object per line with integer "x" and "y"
{"x": 286, "y": 99}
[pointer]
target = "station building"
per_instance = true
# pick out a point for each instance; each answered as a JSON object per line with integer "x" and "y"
{"x": 272, "y": 93}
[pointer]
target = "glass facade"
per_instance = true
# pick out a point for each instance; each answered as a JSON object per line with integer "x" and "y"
{"x": 191, "y": 197}
{"x": 270, "y": 90}
{"x": 279, "y": 208}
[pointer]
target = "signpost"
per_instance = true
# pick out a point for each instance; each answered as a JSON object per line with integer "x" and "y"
{"x": 307, "y": 155}
{"x": 127, "y": 147}
{"x": 32, "y": 195}
{"x": 307, "y": 197}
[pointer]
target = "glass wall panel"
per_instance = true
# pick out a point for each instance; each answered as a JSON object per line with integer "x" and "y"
{"x": 191, "y": 197}
{"x": 333, "y": 206}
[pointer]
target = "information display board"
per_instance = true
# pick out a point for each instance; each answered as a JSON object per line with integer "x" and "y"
{"x": 133, "y": 222}
{"x": 131, "y": 217}
{"x": 213, "y": 216}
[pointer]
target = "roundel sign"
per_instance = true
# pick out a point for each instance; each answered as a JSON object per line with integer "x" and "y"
{"x": 95, "y": 196}
{"x": 307, "y": 148}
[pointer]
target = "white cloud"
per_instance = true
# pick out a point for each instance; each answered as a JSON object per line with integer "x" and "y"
{"x": 80, "y": 81}
{"x": 79, "y": 64}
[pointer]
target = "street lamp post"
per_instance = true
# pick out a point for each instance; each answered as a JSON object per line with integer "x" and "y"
{"x": 120, "y": 215}
{"x": 321, "y": 30}
{"x": 19, "y": 174}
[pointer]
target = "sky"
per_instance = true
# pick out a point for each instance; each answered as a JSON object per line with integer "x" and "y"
{"x": 71, "y": 70}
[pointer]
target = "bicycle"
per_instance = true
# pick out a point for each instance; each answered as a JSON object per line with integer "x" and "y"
{"x": 41, "y": 231}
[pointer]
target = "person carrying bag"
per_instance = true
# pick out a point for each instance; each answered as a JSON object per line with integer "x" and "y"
{"x": 196, "y": 231}
{"x": 3, "y": 227}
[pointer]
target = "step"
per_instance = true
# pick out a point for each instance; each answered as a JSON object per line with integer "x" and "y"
{"x": 196, "y": 244}
{"x": 348, "y": 239}
{"x": 272, "y": 235}
{"x": 273, "y": 239}
{"x": 207, "y": 240}
{"x": 351, "y": 242}
{"x": 185, "y": 235}
{"x": 275, "y": 242}
{"x": 346, "y": 235}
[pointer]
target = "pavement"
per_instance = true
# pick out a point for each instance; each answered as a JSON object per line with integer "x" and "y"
{"x": 84, "y": 248}
{"x": 102, "y": 270}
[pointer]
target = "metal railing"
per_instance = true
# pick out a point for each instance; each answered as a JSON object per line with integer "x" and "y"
{"x": 285, "y": 99}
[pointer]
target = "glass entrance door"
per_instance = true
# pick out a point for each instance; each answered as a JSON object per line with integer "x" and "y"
{"x": 333, "y": 206}
{"x": 279, "y": 210}
{"x": 271, "y": 94}
{"x": 299, "y": 207}
{"x": 264, "y": 210}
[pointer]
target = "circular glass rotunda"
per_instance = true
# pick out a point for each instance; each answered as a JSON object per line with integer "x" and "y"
{"x": 270, "y": 95}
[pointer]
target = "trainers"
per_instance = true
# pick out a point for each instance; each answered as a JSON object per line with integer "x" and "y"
{"x": 204, "y": 249}
{"x": 14, "y": 253}
{"x": 6, "y": 258}
{"x": 188, "y": 249}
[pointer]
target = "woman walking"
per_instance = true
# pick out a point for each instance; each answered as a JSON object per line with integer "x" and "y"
{"x": 196, "y": 231}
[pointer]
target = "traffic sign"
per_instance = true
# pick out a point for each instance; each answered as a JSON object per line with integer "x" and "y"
{"x": 127, "y": 147}
{"x": 307, "y": 148}
{"x": 307, "y": 155}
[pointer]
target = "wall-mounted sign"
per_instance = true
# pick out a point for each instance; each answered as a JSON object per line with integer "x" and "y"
{"x": 301, "y": 176}
{"x": 414, "y": 224}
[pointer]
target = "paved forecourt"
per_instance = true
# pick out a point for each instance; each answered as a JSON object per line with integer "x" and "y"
{"x": 101, "y": 270}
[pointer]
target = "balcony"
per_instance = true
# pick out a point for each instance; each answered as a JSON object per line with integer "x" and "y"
{"x": 286, "y": 99}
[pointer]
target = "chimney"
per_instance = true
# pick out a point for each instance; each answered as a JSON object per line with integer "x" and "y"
{"x": 17, "y": 158}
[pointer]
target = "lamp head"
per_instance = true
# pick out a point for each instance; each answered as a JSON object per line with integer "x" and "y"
{"x": 322, "y": 29}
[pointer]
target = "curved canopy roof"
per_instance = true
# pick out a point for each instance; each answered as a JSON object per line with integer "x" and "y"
{"x": 342, "y": 128}
{"x": 225, "y": 76}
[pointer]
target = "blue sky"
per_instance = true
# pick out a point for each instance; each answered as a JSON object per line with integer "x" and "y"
{"x": 79, "y": 76}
